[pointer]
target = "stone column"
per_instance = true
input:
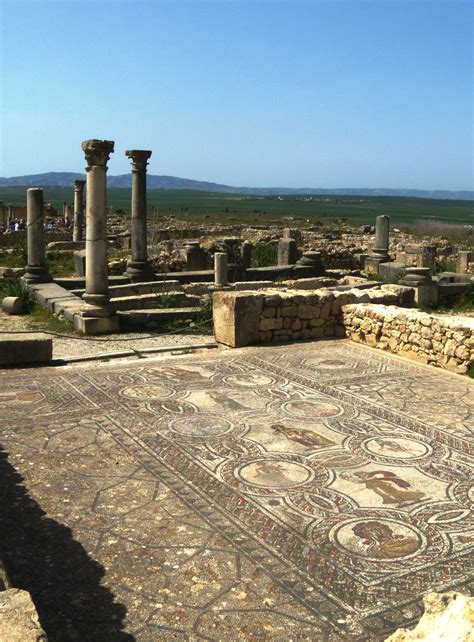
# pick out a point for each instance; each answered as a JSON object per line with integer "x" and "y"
{"x": 220, "y": 269}
{"x": 36, "y": 270}
{"x": 246, "y": 255}
{"x": 287, "y": 251}
{"x": 138, "y": 268}
{"x": 78, "y": 210}
{"x": 97, "y": 154}
{"x": 382, "y": 225}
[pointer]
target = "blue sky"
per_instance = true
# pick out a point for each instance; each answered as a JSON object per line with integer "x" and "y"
{"x": 316, "y": 94}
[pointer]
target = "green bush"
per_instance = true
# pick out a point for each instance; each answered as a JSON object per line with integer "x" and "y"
{"x": 264, "y": 255}
{"x": 18, "y": 289}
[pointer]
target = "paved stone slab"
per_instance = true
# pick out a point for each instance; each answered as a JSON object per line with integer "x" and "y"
{"x": 307, "y": 492}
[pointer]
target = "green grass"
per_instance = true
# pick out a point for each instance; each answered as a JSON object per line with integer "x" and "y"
{"x": 42, "y": 319}
{"x": 163, "y": 301}
{"x": 212, "y": 207}
{"x": 60, "y": 264}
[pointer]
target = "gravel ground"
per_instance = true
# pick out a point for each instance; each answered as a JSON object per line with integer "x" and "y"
{"x": 75, "y": 345}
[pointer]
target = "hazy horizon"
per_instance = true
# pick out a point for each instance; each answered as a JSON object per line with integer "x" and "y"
{"x": 334, "y": 95}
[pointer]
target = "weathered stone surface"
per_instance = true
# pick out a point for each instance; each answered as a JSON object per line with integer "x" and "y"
{"x": 448, "y": 617}
{"x": 25, "y": 348}
{"x": 236, "y": 318}
{"x": 19, "y": 620}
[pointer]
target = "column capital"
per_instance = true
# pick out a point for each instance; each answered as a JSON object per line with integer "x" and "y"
{"x": 79, "y": 185}
{"x": 139, "y": 158}
{"x": 97, "y": 152}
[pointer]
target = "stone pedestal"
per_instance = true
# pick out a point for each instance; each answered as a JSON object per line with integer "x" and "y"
{"x": 310, "y": 264}
{"x": 96, "y": 296}
{"x": 287, "y": 251}
{"x": 220, "y": 269}
{"x": 138, "y": 268}
{"x": 36, "y": 270}
{"x": 78, "y": 210}
{"x": 196, "y": 257}
{"x": 426, "y": 291}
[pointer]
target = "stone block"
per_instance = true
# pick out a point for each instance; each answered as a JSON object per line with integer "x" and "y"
{"x": 25, "y": 348}
{"x": 270, "y": 324}
{"x": 236, "y": 318}
{"x": 80, "y": 262}
{"x": 96, "y": 325}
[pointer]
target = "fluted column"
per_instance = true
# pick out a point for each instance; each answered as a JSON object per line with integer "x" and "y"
{"x": 138, "y": 268}
{"x": 36, "y": 270}
{"x": 97, "y": 154}
{"x": 78, "y": 210}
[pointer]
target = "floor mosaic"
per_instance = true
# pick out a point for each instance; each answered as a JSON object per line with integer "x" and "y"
{"x": 313, "y": 491}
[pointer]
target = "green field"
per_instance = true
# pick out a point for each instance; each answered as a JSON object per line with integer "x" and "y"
{"x": 197, "y": 206}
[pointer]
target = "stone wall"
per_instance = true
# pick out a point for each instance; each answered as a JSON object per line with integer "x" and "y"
{"x": 288, "y": 314}
{"x": 443, "y": 341}
{"x": 370, "y": 316}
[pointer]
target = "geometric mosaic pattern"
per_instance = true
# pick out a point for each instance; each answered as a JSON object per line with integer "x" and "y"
{"x": 313, "y": 490}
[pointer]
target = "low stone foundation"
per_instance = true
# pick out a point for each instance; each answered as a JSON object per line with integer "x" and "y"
{"x": 288, "y": 314}
{"x": 370, "y": 316}
{"x": 443, "y": 341}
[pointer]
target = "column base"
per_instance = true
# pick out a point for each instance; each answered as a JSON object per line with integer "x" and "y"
{"x": 140, "y": 271}
{"x": 97, "y": 306}
{"x": 371, "y": 263}
{"x": 92, "y": 325}
{"x": 37, "y": 274}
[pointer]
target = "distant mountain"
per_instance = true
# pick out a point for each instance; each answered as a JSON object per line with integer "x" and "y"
{"x": 66, "y": 179}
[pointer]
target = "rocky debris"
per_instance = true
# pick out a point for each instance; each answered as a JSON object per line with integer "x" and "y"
{"x": 19, "y": 621}
{"x": 448, "y": 617}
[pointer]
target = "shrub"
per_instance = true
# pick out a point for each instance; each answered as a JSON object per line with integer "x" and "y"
{"x": 265, "y": 255}
{"x": 21, "y": 290}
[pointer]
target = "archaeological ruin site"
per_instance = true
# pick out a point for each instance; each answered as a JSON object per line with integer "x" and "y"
{"x": 231, "y": 431}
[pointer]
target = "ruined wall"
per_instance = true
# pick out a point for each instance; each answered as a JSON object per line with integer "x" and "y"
{"x": 288, "y": 315}
{"x": 365, "y": 316}
{"x": 447, "y": 342}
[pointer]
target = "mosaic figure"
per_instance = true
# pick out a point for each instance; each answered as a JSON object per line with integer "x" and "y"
{"x": 307, "y": 438}
{"x": 386, "y": 484}
{"x": 382, "y": 542}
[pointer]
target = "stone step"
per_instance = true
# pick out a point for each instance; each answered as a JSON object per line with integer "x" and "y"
{"x": 140, "y": 301}
{"x": 142, "y": 317}
{"x": 74, "y": 282}
{"x": 126, "y": 288}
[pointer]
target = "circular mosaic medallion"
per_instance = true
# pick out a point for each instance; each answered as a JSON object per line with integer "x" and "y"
{"x": 200, "y": 425}
{"x": 381, "y": 539}
{"x": 250, "y": 380}
{"x": 396, "y": 447}
{"x": 309, "y": 409}
{"x": 272, "y": 474}
{"x": 146, "y": 391}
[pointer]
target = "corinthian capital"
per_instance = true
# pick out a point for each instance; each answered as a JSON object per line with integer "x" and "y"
{"x": 97, "y": 152}
{"x": 139, "y": 158}
{"x": 79, "y": 185}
